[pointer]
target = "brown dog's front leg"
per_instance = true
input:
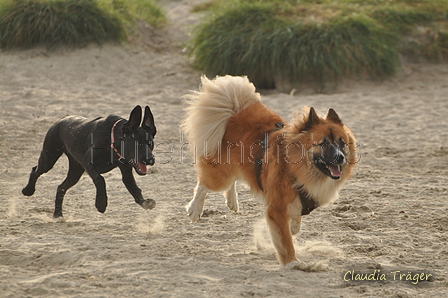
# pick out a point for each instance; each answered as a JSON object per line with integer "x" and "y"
{"x": 279, "y": 227}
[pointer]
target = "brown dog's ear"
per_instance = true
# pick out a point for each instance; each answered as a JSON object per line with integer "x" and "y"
{"x": 148, "y": 122}
{"x": 312, "y": 119}
{"x": 134, "y": 120}
{"x": 333, "y": 116}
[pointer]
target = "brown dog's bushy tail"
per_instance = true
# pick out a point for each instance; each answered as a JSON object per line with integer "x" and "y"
{"x": 209, "y": 108}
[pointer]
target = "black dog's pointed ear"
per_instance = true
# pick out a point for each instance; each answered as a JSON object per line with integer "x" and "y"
{"x": 134, "y": 120}
{"x": 312, "y": 119}
{"x": 333, "y": 116}
{"x": 148, "y": 122}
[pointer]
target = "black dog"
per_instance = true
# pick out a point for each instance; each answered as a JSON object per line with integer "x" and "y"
{"x": 98, "y": 146}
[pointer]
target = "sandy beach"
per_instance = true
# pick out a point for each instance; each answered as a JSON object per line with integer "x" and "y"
{"x": 390, "y": 223}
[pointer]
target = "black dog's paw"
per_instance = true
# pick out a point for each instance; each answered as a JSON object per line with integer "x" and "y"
{"x": 101, "y": 207}
{"x": 57, "y": 214}
{"x": 148, "y": 204}
{"x": 101, "y": 210}
{"x": 28, "y": 191}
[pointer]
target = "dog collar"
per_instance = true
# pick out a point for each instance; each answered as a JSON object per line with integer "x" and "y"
{"x": 112, "y": 142}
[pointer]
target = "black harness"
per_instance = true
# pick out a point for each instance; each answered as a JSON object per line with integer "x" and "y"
{"x": 308, "y": 204}
{"x": 259, "y": 160}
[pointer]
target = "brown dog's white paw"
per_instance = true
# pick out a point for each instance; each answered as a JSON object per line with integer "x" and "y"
{"x": 194, "y": 210}
{"x": 232, "y": 203}
{"x": 308, "y": 267}
{"x": 296, "y": 265}
{"x": 232, "y": 198}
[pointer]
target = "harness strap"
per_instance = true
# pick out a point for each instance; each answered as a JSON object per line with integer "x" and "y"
{"x": 308, "y": 204}
{"x": 112, "y": 142}
{"x": 258, "y": 163}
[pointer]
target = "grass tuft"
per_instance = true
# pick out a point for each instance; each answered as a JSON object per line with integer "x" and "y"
{"x": 71, "y": 23}
{"x": 315, "y": 40}
{"x": 74, "y": 23}
{"x": 129, "y": 11}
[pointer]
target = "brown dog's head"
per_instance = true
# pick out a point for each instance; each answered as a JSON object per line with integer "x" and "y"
{"x": 327, "y": 146}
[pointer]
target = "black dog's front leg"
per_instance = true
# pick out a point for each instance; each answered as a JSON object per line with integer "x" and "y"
{"x": 100, "y": 184}
{"x": 131, "y": 185}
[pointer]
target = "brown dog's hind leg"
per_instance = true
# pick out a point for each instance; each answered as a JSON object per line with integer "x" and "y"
{"x": 211, "y": 177}
{"x": 196, "y": 205}
{"x": 232, "y": 197}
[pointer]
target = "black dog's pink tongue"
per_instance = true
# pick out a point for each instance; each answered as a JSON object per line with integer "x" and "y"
{"x": 141, "y": 167}
{"x": 335, "y": 171}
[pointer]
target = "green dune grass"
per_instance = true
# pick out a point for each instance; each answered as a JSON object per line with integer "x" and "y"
{"x": 71, "y": 23}
{"x": 319, "y": 40}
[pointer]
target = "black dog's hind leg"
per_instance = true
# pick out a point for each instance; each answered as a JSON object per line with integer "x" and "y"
{"x": 29, "y": 189}
{"x": 131, "y": 185}
{"x": 51, "y": 151}
{"x": 75, "y": 171}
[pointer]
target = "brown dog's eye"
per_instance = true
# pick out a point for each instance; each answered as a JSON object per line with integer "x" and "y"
{"x": 324, "y": 143}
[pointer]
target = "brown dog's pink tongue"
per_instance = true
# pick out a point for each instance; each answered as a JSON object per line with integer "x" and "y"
{"x": 335, "y": 171}
{"x": 142, "y": 168}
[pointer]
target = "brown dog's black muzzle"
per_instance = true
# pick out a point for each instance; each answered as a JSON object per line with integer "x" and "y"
{"x": 330, "y": 161}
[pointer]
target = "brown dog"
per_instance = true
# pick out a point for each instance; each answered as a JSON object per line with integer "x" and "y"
{"x": 295, "y": 167}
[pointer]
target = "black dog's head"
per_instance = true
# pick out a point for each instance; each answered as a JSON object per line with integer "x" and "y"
{"x": 137, "y": 142}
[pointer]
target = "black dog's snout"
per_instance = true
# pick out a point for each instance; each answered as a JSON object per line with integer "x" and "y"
{"x": 150, "y": 161}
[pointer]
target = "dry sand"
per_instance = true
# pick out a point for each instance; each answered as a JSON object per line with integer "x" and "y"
{"x": 391, "y": 216}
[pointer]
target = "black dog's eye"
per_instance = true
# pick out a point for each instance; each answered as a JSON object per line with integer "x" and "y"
{"x": 146, "y": 144}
